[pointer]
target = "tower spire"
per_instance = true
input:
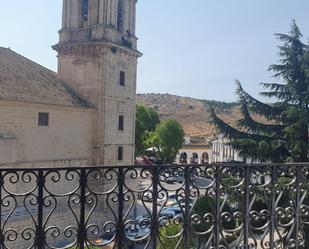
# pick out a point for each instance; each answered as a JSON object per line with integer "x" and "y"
{"x": 97, "y": 20}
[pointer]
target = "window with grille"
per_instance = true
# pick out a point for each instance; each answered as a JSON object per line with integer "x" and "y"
{"x": 121, "y": 123}
{"x": 122, "y": 80}
{"x": 43, "y": 119}
{"x": 120, "y": 153}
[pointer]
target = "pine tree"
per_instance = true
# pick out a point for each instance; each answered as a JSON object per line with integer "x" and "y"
{"x": 285, "y": 136}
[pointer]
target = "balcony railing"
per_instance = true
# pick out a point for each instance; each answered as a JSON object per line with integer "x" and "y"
{"x": 210, "y": 206}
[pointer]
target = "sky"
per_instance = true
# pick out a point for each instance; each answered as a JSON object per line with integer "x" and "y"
{"x": 195, "y": 48}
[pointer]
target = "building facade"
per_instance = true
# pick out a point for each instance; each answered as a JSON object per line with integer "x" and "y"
{"x": 223, "y": 152}
{"x": 89, "y": 106}
{"x": 192, "y": 153}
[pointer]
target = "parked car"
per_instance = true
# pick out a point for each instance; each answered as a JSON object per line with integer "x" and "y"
{"x": 143, "y": 161}
{"x": 106, "y": 239}
{"x": 182, "y": 203}
{"x": 147, "y": 196}
{"x": 166, "y": 213}
{"x": 172, "y": 176}
{"x": 171, "y": 201}
{"x": 171, "y": 212}
{"x": 174, "y": 179}
{"x": 137, "y": 233}
{"x": 144, "y": 219}
{"x": 156, "y": 160}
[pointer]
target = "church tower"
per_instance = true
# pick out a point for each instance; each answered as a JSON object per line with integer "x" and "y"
{"x": 97, "y": 56}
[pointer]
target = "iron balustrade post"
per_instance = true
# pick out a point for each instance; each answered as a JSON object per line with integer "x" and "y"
{"x": 120, "y": 224}
{"x": 247, "y": 205}
{"x": 273, "y": 206}
{"x": 82, "y": 232}
{"x": 217, "y": 207}
{"x": 1, "y": 230}
{"x": 40, "y": 234}
{"x": 297, "y": 205}
{"x": 187, "y": 219}
{"x": 155, "y": 216}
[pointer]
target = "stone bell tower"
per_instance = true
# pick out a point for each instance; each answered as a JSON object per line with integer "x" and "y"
{"x": 97, "y": 56}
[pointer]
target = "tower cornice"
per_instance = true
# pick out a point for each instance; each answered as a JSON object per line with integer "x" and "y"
{"x": 93, "y": 48}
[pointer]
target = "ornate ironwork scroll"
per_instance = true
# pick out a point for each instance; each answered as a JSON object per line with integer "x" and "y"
{"x": 167, "y": 206}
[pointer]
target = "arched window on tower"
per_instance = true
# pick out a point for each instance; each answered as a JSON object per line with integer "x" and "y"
{"x": 120, "y": 14}
{"x": 85, "y": 7}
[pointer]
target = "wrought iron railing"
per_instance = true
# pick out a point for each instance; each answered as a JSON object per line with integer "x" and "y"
{"x": 208, "y": 206}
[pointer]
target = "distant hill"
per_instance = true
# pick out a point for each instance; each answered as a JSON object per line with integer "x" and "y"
{"x": 192, "y": 114}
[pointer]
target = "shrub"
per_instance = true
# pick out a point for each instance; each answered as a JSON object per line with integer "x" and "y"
{"x": 169, "y": 231}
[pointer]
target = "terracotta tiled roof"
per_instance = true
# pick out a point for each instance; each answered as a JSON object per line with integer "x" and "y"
{"x": 26, "y": 81}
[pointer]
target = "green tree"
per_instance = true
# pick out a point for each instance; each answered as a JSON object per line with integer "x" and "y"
{"x": 170, "y": 235}
{"x": 168, "y": 138}
{"x": 286, "y": 136}
{"x": 146, "y": 121}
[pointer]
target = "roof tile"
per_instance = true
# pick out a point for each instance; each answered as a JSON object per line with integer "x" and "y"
{"x": 23, "y": 80}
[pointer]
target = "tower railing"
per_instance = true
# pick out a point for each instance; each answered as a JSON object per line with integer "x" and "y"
{"x": 166, "y": 206}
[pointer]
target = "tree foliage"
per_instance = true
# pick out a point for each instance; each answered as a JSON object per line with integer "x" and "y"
{"x": 286, "y": 138}
{"x": 146, "y": 121}
{"x": 220, "y": 105}
{"x": 168, "y": 138}
{"x": 169, "y": 236}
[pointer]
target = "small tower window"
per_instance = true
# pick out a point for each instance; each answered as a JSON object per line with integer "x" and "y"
{"x": 43, "y": 119}
{"x": 120, "y": 16}
{"x": 85, "y": 7}
{"x": 121, "y": 122}
{"x": 120, "y": 153}
{"x": 122, "y": 80}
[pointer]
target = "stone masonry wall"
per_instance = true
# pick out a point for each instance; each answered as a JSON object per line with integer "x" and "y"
{"x": 121, "y": 101}
{"x": 68, "y": 136}
{"x": 96, "y": 77}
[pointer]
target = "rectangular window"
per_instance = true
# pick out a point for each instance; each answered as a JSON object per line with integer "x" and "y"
{"x": 121, "y": 123}
{"x": 122, "y": 80}
{"x": 120, "y": 153}
{"x": 43, "y": 119}
{"x": 85, "y": 7}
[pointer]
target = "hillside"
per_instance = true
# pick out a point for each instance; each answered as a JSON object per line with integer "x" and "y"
{"x": 193, "y": 114}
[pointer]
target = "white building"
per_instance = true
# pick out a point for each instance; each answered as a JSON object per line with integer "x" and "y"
{"x": 194, "y": 153}
{"x": 223, "y": 152}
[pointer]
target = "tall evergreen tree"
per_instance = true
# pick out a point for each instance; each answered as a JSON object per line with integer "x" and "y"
{"x": 285, "y": 137}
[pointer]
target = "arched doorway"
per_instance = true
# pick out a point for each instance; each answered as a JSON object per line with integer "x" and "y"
{"x": 194, "y": 158}
{"x": 205, "y": 158}
{"x": 183, "y": 158}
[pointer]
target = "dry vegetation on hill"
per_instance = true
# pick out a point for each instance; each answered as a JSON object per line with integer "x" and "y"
{"x": 192, "y": 114}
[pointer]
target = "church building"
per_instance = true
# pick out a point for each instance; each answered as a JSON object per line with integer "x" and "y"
{"x": 85, "y": 113}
